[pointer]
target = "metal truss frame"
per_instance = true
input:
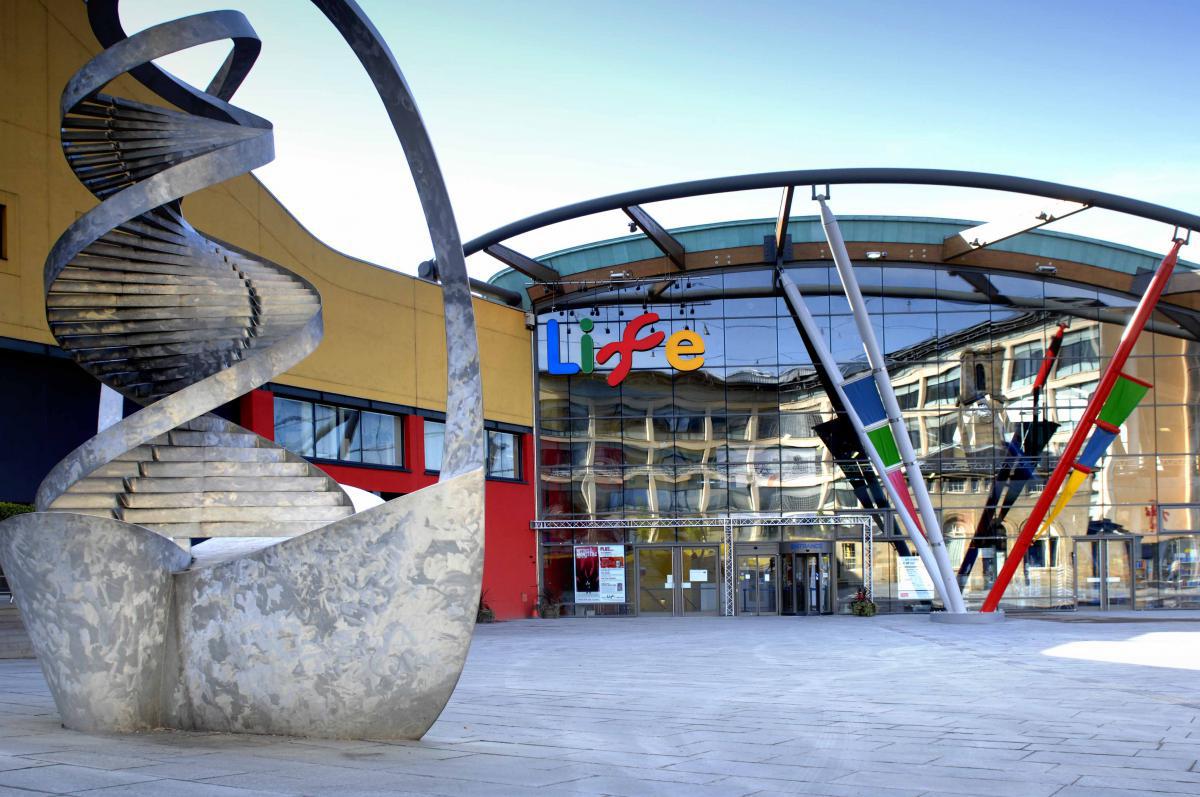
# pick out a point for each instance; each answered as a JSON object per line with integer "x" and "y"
{"x": 728, "y": 523}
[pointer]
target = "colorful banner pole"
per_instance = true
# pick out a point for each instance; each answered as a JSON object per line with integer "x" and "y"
{"x": 916, "y": 481}
{"x": 907, "y": 517}
{"x": 1111, "y": 378}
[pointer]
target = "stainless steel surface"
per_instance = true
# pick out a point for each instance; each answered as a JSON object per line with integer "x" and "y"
{"x": 352, "y": 626}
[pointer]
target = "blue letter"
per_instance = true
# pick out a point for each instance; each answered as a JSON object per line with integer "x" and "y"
{"x": 554, "y": 362}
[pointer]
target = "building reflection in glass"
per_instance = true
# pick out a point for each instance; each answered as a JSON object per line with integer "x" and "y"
{"x": 737, "y": 436}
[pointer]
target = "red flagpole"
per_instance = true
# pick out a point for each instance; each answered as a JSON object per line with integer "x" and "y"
{"x": 1129, "y": 337}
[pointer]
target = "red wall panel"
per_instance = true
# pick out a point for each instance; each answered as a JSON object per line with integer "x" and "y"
{"x": 510, "y": 552}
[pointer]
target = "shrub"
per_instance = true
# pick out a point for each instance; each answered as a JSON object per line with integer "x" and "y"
{"x": 862, "y": 606}
{"x": 485, "y": 613}
{"x": 7, "y": 509}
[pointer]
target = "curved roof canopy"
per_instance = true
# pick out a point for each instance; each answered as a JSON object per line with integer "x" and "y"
{"x": 656, "y": 256}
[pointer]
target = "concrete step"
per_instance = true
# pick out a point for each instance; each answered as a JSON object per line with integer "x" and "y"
{"x": 93, "y": 484}
{"x": 236, "y": 440}
{"x": 206, "y": 423}
{"x": 218, "y": 454}
{"x": 139, "y": 454}
{"x": 233, "y": 529}
{"x": 94, "y": 512}
{"x": 175, "y": 470}
{"x": 120, "y": 468}
{"x": 235, "y": 514}
{"x": 71, "y": 501}
{"x": 230, "y": 498}
{"x": 229, "y": 484}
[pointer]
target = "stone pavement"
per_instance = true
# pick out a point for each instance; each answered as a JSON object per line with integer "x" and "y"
{"x": 885, "y": 706}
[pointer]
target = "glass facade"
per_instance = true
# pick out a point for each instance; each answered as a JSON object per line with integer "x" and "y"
{"x": 742, "y": 433}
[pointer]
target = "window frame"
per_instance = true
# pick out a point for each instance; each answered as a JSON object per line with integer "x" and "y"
{"x": 341, "y": 411}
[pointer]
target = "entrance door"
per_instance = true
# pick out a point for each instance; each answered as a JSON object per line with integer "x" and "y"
{"x": 656, "y": 581}
{"x": 699, "y": 587}
{"x": 1104, "y": 572}
{"x": 805, "y": 585}
{"x": 758, "y": 584}
{"x": 680, "y": 580}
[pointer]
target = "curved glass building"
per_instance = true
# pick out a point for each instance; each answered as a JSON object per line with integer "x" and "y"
{"x": 746, "y": 430}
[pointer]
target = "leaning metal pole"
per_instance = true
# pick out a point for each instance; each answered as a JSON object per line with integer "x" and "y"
{"x": 933, "y": 529}
{"x": 809, "y": 325}
{"x": 1083, "y": 426}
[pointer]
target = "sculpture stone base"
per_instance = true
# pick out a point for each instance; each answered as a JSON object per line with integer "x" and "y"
{"x": 358, "y": 629}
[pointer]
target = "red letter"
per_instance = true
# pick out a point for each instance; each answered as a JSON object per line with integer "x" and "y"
{"x": 627, "y": 345}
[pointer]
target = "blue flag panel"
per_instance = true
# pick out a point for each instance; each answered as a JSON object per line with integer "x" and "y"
{"x": 863, "y": 395}
{"x": 1097, "y": 444}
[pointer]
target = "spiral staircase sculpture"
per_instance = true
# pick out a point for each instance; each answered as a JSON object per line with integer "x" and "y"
{"x": 315, "y": 620}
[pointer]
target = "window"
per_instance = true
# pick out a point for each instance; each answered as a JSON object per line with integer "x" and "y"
{"x": 1042, "y": 553}
{"x": 1027, "y": 359}
{"x": 322, "y": 431}
{"x": 1080, "y": 352}
{"x": 1071, "y": 402}
{"x": 435, "y": 440}
{"x": 943, "y": 389}
{"x": 906, "y": 395}
{"x": 941, "y": 432}
{"x": 503, "y": 455}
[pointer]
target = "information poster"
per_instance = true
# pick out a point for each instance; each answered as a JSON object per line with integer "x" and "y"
{"x": 914, "y": 580}
{"x": 599, "y": 573}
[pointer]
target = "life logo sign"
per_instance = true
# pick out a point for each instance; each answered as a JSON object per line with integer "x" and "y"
{"x": 685, "y": 349}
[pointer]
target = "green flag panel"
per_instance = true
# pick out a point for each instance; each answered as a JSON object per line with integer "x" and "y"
{"x": 1121, "y": 402}
{"x": 885, "y": 445}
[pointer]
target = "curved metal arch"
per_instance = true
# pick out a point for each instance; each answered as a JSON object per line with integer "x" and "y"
{"x": 857, "y": 176}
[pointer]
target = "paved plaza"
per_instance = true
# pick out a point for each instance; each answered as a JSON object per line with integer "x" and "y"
{"x": 1074, "y": 706}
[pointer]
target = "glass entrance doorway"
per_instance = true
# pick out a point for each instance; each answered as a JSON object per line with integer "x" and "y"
{"x": 804, "y": 584}
{"x": 678, "y": 580}
{"x": 757, "y": 584}
{"x": 1104, "y": 572}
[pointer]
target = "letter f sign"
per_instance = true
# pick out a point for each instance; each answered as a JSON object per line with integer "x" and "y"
{"x": 627, "y": 345}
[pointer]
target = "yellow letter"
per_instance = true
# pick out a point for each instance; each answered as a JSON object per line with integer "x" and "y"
{"x": 685, "y": 350}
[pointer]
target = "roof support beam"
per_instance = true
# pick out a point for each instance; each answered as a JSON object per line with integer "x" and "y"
{"x": 1180, "y": 282}
{"x": 668, "y": 244}
{"x": 995, "y": 231}
{"x": 531, "y": 268}
{"x": 781, "y": 224}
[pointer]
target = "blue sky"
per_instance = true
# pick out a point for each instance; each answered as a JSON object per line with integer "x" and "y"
{"x": 536, "y": 104}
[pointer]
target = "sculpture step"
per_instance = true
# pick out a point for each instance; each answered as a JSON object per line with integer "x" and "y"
{"x": 232, "y": 439}
{"x": 208, "y": 468}
{"x": 227, "y": 483}
{"x": 71, "y": 502}
{"x": 235, "y": 529}
{"x": 217, "y": 454}
{"x": 118, "y": 468}
{"x": 252, "y": 515}
{"x": 228, "y": 498}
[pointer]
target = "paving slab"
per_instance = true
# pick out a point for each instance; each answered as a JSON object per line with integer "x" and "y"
{"x": 705, "y": 707}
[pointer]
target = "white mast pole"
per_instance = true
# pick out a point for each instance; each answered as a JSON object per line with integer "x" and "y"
{"x": 796, "y": 301}
{"x": 933, "y": 530}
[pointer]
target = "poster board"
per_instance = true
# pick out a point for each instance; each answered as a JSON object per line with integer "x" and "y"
{"x": 599, "y": 573}
{"x": 914, "y": 582}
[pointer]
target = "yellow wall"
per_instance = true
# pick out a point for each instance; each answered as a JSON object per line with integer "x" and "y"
{"x": 383, "y": 330}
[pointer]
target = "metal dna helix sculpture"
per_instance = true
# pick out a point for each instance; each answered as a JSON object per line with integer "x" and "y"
{"x": 307, "y": 619}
